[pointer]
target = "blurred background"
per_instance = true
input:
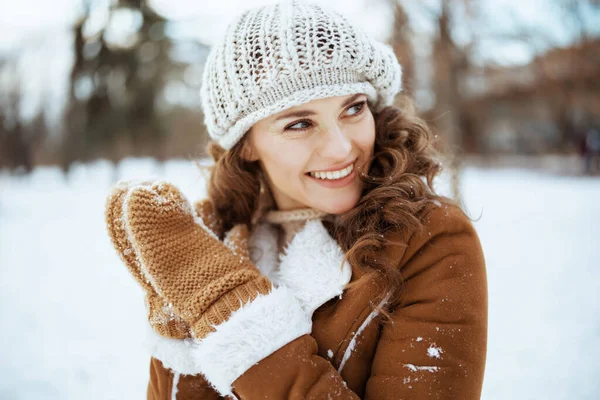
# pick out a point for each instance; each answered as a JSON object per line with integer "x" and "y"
{"x": 93, "y": 91}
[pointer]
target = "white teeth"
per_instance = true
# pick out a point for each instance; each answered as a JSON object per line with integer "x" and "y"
{"x": 334, "y": 174}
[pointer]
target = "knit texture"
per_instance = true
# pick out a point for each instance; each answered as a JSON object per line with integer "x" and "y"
{"x": 282, "y": 55}
{"x": 183, "y": 261}
{"x": 290, "y": 222}
{"x": 160, "y": 315}
{"x": 301, "y": 214}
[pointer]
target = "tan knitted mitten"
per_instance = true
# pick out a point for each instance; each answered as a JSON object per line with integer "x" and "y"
{"x": 160, "y": 316}
{"x": 184, "y": 262}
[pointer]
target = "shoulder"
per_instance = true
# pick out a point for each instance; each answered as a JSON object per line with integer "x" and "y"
{"x": 443, "y": 268}
{"x": 443, "y": 217}
{"x": 445, "y": 229}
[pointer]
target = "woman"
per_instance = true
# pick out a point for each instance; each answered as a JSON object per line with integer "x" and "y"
{"x": 322, "y": 264}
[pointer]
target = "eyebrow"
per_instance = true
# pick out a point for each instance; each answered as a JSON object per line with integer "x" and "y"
{"x": 307, "y": 113}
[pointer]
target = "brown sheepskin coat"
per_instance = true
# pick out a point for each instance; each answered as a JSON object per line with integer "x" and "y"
{"x": 433, "y": 347}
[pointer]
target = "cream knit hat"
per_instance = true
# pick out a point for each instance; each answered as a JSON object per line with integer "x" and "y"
{"x": 282, "y": 55}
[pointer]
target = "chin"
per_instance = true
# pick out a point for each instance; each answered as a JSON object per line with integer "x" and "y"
{"x": 339, "y": 206}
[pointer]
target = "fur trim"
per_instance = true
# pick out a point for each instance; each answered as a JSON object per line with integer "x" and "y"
{"x": 264, "y": 251}
{"x": 174, "y": 388}
{"x": 175, "y": 354}
{"x": 252, "y": 333}
{"x": 311, "y": 266}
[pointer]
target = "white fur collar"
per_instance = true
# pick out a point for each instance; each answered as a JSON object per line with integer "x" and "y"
{"x": 263, "y": 249}
{"x": 311, "y": 266}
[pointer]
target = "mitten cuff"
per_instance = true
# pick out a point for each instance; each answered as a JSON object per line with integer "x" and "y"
{"x": 229, "y": 302}
{"x": 252, "y": 333}
{"x": 163, "y": 319}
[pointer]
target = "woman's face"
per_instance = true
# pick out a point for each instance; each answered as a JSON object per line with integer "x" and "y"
{"x": 312, "y": 154}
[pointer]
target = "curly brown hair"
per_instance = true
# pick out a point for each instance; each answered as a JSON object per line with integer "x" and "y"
{"x": 398, "y": 190}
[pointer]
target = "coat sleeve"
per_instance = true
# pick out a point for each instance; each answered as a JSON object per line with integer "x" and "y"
{"x": 434, "y": 345}
{"x": 263, "y": 351}
{"x": 295, "y": 371}
{"x": 165, "y": 384}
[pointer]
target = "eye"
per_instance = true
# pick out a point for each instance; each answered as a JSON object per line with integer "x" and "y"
{"x": 291, "y": 127}
{"x": 360, "y": 105}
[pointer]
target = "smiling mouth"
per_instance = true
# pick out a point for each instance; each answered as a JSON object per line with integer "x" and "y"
{"x": 333, "y": 175}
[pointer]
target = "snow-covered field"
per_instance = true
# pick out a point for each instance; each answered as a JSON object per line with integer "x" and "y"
{"x": 72, "y": 317}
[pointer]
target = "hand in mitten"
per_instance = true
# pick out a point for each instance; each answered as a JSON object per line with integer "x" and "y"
{"x": 160, "y": 315}
{"x": 235, "y": 317}
{"x": 311, "y": 267}
{"x": 184, "y": 262}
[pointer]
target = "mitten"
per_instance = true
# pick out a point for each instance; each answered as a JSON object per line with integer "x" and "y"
{"x": 185, "y": 263}
{"x": 161, "y": 316}
{"x": 206, "y": 212}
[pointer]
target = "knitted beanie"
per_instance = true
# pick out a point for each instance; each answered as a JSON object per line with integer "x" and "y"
{"x": 278, "y": 56}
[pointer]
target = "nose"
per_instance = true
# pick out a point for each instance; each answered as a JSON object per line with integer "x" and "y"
{"x": 335, "y": 144}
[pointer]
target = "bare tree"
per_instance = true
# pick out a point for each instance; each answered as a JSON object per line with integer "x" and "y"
{"x": 19, "y": 140}
{"x": 567, "y": 72}
{"x": 451, "y": 62}
{"x": 401, "y": 41}
{"x": 114, "y": 87}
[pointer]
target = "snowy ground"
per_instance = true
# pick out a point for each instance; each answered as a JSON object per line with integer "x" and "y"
{"x": 72, "y": 316}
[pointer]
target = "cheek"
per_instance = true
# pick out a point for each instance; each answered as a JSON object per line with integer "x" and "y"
{"x": 364, "y": 138}
{"x": 282, "y": 163}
